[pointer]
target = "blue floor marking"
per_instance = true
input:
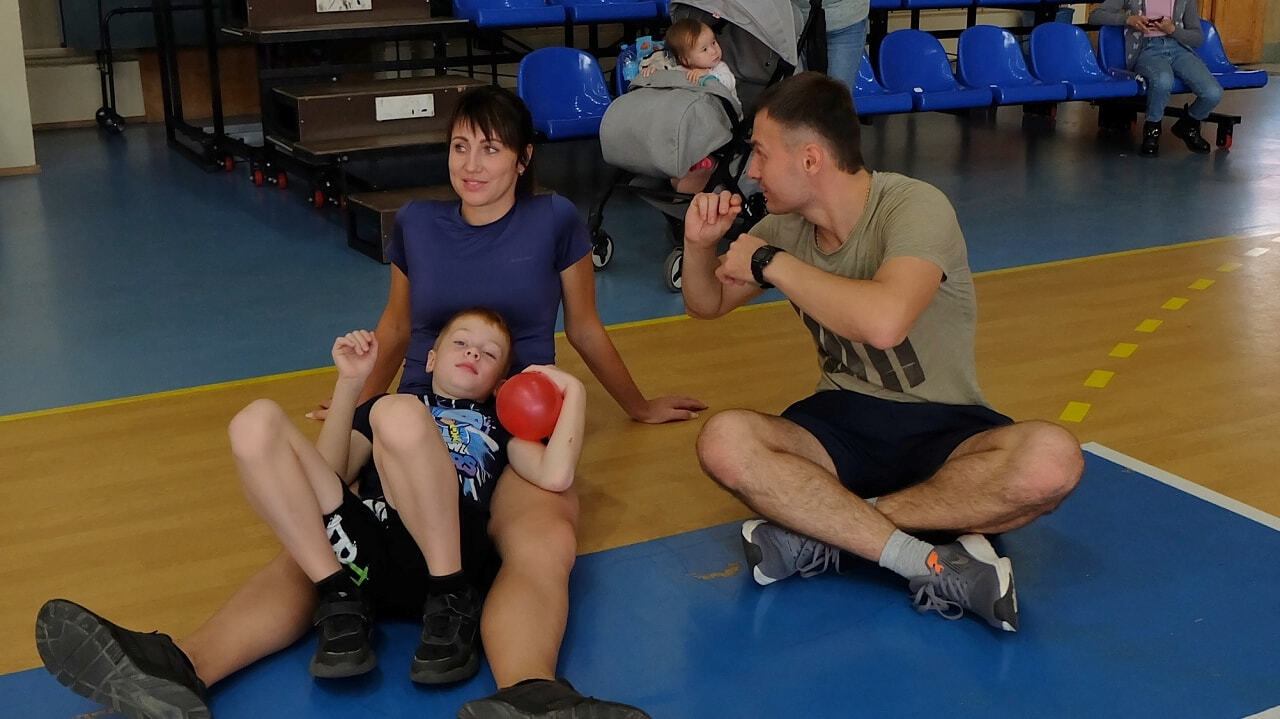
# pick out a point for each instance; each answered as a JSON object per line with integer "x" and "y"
{"x": 1137, "y": 599}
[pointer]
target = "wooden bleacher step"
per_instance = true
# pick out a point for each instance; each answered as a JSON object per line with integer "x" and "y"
{"x": 352, "y": 116}
{"x": 371, "y": 216}
{"x": 294, "y": 14}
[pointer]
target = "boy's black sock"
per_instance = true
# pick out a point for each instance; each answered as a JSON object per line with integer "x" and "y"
{"x": 448, "y": 584}
{"x": 338, "y": 584}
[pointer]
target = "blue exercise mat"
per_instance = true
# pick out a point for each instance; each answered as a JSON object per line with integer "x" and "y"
{"x": 1136, "y": 598}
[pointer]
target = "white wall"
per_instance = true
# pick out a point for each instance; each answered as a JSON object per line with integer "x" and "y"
{"x": 63, "y": 92}
{"x": 41, "y": 25}
{"x": 17, "y": 147}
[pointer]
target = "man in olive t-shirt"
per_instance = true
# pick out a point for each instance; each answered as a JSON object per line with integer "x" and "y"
{"x": 898, "y": 434}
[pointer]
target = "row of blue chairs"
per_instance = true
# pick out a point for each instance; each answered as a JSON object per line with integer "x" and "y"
{"x": 567, "y": 93}
{"x": 930, "y": 4}
{"x": 916, "y": 73}
{"x": 536, "y": 13}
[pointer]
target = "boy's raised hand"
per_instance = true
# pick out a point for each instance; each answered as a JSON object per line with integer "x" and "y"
{"x": 354, "y": 354}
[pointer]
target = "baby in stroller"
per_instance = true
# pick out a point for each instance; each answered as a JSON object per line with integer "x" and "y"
{"x": 691, "y": 46}
{"x": 671, "y": 123}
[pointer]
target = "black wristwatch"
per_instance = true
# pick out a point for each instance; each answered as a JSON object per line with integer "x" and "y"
{"x": 760, "y": 259}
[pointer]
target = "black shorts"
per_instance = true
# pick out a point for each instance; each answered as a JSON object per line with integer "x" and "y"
{"x": 880, "y": 446}
{"x": 370, "y": 482}
{"x": 373, "y": 544}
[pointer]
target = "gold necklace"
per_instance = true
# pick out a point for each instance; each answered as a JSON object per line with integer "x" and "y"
{"x": 866, "y": 202}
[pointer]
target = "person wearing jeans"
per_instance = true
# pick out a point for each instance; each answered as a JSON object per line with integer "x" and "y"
{"x": 846, "y": 35}
{"x": 1160, "y": 41}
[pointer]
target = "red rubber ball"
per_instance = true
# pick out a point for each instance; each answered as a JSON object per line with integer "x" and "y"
{"x": 529, "y": 405}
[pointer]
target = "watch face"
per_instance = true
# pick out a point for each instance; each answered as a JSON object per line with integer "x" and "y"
{"x": 761, "y": 259}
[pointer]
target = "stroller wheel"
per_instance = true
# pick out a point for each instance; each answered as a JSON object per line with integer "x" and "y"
{"x": 601, "y": 250}
{"x": 673, "y": 267}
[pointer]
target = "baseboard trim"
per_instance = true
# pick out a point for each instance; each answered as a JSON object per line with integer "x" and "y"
{"x": 15, "y": 171}
{"x": 77, "y": 124}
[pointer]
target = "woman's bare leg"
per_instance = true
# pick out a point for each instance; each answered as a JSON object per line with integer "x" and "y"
{"x": 268, "y": 613}
{"x": 528, "y": 606}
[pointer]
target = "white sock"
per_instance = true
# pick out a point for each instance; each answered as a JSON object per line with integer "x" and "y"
{"x": 905, "y": 555}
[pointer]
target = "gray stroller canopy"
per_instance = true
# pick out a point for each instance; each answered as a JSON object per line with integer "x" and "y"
{"x": 776, "y": 23}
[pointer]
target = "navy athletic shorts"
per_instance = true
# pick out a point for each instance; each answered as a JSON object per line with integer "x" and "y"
{"x": 880, "y": 446}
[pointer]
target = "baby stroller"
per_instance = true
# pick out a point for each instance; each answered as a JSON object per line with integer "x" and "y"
{"x": 663, "y": 125}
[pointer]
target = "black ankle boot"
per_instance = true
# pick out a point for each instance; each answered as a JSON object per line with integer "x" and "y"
{"x": 1189, "y": 130}
{"x": 1150, "y": 139}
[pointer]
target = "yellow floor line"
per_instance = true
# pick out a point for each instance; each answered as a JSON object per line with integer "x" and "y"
{"x": 181, "y": 392}
{"x": 631, "y": 325}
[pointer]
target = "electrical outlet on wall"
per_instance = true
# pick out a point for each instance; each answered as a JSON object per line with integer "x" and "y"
{"x": 403, "y": 107}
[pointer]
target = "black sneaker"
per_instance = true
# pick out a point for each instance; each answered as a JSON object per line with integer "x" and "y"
{"x": 1150, "y": 139}
{"x": 343, "y": 648}
{"x": 143, "y": 676}
{"x": 448, "y": 651}
{"x": 1188, "y": 130}
{"x": 546, "y": 699}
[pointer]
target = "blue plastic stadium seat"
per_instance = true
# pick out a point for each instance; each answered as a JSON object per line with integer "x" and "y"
{"x": 1062, "y": 53}
{"x": 886, "y": 4}
{"x": 664, "y": 8}
{"x": 1215, "y": 57}
{"x": 585, "y": 11}
{"x": 1111, "y": 55}
{"x": 922, "y": 4}
{"x": 913, "y": 61}
{"x": 565, "y": 91}
{"x": 991, "y": 56}
{"x": 509, "y": 13}
{"x": 870, "y": 97}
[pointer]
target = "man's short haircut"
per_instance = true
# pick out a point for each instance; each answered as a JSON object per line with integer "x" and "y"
{"x": 816, "y": 102}
{"x": 682, "y": 36}
{"x": 495, "y": 320}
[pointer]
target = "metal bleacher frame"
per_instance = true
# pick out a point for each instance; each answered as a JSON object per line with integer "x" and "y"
{"x": 278, "y": 52}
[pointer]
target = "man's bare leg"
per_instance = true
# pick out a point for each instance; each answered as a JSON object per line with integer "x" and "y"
{"x": 782, "y": 472}
{"x": 993, "y": 482}
{"x": 999, "y": 479}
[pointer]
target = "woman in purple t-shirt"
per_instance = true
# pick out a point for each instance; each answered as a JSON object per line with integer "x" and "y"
{"x": 520, "y": 254}
{"x": 500, "y": 247}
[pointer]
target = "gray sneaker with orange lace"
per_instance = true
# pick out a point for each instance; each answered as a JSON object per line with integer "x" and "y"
{"x": 968, "y": 575}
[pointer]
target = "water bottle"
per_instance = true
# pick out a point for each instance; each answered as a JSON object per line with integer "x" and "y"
{"x": 630, "y": 66}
